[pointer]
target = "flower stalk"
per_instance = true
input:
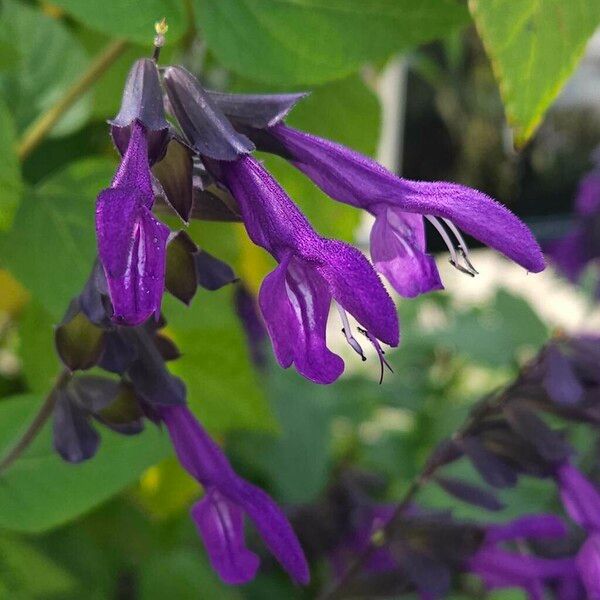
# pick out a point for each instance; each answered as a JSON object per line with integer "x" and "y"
{"x": 40, "y": 419}
{"x": 39, "y": 129}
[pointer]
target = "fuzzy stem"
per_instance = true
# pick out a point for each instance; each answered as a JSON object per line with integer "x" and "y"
{"x": 41, "y": 127}
{"x": 36, "y": 425}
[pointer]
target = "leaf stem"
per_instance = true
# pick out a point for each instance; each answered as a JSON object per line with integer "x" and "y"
{"x": 41, "y": 127}
{"x": 36, "y": 425}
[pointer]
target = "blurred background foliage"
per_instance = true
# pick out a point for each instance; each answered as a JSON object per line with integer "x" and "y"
{"x": 480, "y": 76}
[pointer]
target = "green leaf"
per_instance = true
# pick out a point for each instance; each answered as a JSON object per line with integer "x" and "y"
{"x": 347, "y": 112}
{"x": 49, "y": 59}
{"x": 182, "y": 574}
{"x": 534, "y": 45}
{"x": 40, "y": 491}
{"x": 11, "y": 184}
{"x": 129, "y": 19}
{"x": 38, "y": 356}
{"x": 18, "y": 560}
{"x": 51, "y": 245}
{"x": 313, "y": 41}
{"x": 223, "y": 388}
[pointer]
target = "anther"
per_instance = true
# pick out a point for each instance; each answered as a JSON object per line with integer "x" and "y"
{"x": 380, "y": 353}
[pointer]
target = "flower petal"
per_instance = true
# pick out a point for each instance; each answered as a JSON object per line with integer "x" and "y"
{"x": 527, "y": 527}
{"x": 132, "y": 248}
{"x": 355, "y": 179}
{"x": 398, "y": 253}
{"x": 356, "y": 287}
{"x": 220, "y": 524}
{"x": 580, "y": 497}
{"x": 588, "y": 565}
{"x": 199, "y": 455}
{"x": 275, "y": 530}
{"x": 295, "y": 305}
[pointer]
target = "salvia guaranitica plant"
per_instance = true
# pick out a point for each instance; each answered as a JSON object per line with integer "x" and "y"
{"x": 189, "y": 152}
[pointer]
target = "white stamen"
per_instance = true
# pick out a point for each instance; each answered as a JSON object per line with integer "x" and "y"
{"x": 445, "y": 237}
{"x": 347, "y": 331}
{"x": 464, "y": 249}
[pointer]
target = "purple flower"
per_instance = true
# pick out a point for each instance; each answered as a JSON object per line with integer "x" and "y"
{"x": 500, "y": 568}
{"x": 581, "y": 500}
{"x": 219, "y": 516}
{"x": 399, "y": 205}
{"x": 296, "y": 296}
{"x": 131, "y": 241}
{"x": 580, "y": 247}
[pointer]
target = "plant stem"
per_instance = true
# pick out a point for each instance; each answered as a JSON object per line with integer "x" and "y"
{"x": 36, "y": 425}
{"x": 40, "y": 128}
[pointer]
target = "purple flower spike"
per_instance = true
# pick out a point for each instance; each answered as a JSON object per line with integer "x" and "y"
{"x": 219, "y": 515}
{"x": 295, "y": 297}
{"x": 131, "y": 241}
{"x": 399, "y": 205}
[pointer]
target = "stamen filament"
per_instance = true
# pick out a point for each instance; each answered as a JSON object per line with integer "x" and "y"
{"x": 347, "y": 331}
{"x": 462, "y": 245}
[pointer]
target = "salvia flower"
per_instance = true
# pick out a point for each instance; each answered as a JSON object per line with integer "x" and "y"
{"x": 399, "y": 205}
{"x": 131, "y": 241}
{"x": 295, "y": 297}
{"x": 219, "y": 516}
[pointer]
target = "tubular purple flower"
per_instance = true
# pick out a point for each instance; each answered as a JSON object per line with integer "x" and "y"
{"x": 219, "y": 515}
{"x": 131, "y": 241}
{"x": 399, "y": 205}
{"x": 296, "y": 296}
{"x": 499, "y": 568}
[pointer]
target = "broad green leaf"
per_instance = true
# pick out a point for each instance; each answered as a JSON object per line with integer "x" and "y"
{"x": 495, "y": 333}
{"x": 51, "y": 245}
{"x": 40, "y": 491}
{"x": 11, "y": 184}
{"x": 224, "y": 389}
{"x": 533, "y": 45}
{"x": 313, "y": 41}
{"x": 182, "y": 574}
{"x": 347, "y": 112}
{"x": 49, "y": 59}
{"x": 129, "y": 19}
{"x": 298, "y": 458}
{"x": 18, "y": 560}
{"x": 39, "y": 360}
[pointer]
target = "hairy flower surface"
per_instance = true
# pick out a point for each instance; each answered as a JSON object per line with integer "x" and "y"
{"x": 219, "y": 516}
{"x": 295, "y": 298}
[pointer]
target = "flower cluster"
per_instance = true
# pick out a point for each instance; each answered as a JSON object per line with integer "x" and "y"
{"x": 407, "y": 548}
{"x": 189, "y": 151}
{"x": 205, "y": 169}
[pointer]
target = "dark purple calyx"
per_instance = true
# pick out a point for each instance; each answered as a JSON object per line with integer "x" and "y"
{"x": 142, "y": 102}
{"x": 203, "y": 123}
{"x": 256, "y": 110}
